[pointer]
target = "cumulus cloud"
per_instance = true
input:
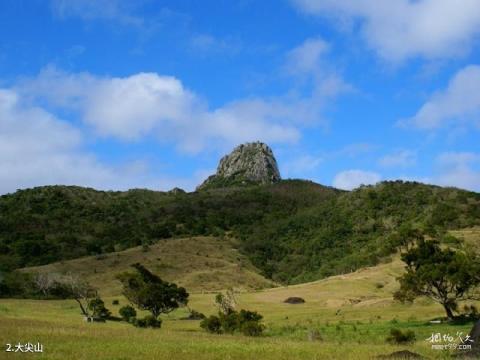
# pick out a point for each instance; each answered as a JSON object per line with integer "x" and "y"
{"x": 402, "y": 29}
{"x": 401, "y": 158}
{"x": 351, "y": 179}
{"x": 458, "y": 103}
{"x": 37, "y": 148}
{"x": 148, "y": 104}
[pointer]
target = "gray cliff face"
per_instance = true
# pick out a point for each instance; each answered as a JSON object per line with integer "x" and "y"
{"x": 247, "y": 163}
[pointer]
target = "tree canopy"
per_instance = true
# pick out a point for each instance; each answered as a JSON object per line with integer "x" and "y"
{"x": 445, "y": 275}
{"x": 149, "y": 292}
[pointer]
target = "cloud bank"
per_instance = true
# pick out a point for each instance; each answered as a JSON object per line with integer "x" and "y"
{"x": 401, "y": 29}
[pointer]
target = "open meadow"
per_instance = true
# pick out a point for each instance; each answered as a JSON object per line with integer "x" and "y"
{"x": 343, "y": 317}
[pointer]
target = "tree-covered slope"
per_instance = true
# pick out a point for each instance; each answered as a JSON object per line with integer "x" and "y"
{"x": 292, "y": 230}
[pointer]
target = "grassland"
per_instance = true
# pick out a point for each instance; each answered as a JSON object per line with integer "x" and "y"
{"x": 197, "y": 263}
{"x": 353, "y": 314}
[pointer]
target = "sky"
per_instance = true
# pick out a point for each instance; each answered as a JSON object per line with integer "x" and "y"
{"x": 115, "y": 94}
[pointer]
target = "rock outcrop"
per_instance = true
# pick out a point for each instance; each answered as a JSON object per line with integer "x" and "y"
{"x": 250, "y": 163}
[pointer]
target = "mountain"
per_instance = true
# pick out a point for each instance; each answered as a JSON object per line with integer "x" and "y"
{"x": 291, "y": 230}
{"x": 250, "y": 163}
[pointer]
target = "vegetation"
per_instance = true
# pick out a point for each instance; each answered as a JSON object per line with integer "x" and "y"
{"x": 98, "y": 309}
{"x": 445, "y": 275}
{"x": 148, "y": 292}
{"x": 127, "y": 312}
{"x": 339, "y": 231}
{"x": 358, "y": 331}
{"x": 230, "y": 321}
{"x": 196, "y": 263}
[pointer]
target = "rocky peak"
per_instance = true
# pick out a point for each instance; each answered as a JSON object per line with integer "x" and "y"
{"x": 246, "y": 164}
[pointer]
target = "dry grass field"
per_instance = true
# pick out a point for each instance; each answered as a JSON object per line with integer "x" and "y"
{"x": 197, "y": 263}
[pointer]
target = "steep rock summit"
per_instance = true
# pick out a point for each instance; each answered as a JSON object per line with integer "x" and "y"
{"x": 250, "y": 163}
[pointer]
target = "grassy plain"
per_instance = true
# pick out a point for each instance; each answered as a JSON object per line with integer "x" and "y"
{"x": 353, "y": 314}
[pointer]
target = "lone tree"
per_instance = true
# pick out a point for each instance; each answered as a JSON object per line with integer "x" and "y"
{"x": 82, "y": 292}
{"x": 444, "y": 275}
{"x": 148, "y": 292}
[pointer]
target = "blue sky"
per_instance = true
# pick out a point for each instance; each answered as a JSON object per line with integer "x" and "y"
{"x": 118, "y": 94}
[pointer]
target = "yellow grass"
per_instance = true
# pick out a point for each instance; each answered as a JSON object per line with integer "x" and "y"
{"x": 197, "y": 263}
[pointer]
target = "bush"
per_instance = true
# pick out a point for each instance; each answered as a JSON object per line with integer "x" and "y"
{"x": 152, "y": 321}
{"x": 148, "y": 321}
{"x": 246, "y": 315}
{"x": 141, "y": 323}
{"x": 230, "y": 322}
{"x": 212, "y": 324}
{"x": 397, "y": 336}
{"x": 251, "y": 328}
{"x": 246, "y": 322}
{"x": 115, "y": 302}
{"x": 127, "y": 312}
{"x": 194, "y": 315}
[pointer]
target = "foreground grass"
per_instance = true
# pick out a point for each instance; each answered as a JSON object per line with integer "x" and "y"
{"x": 358, "y": 334}
{"x": 353, "y": 314}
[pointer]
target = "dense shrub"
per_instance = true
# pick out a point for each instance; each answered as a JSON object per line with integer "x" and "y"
{"x": 148, "y": 321}
{"x": 127, "y": 312}
{"x": 194, "y": 315}
{"x": 212, "y": 324}
{"x": 251, "y": 328}
{"x": 141, "y": 323}
{"x": 246, "y": 322}
{"x": 152, "y": 321}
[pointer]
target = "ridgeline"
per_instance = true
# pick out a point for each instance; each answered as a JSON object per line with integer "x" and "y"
{"x": 292, "y": 230}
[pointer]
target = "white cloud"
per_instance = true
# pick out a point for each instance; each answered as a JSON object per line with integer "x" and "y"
{"x": 459, "y": 169}
{"x": 306, "y": 58}
{"x": 401, "y": 158}
{"x": 148, "y": 104}
{"x": 351, "y": 179}
{"x": 402, "y": 29}
{"x": 458, "y": 103}
{"x": 37, "y": 148}
{"x": 307, "y": 63}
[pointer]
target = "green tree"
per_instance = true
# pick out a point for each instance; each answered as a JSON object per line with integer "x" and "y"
{"x": 98, "y": 309}
{"x": 148, "y": 292}
{"x": 444, "y": 275}
{"x": 127, "y": 312}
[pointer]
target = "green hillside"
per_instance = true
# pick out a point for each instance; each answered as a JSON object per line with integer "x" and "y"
{"x": 293, "y": 231}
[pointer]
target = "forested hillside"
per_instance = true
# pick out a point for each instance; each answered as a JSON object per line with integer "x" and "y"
{"x": 292, "y": 230}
